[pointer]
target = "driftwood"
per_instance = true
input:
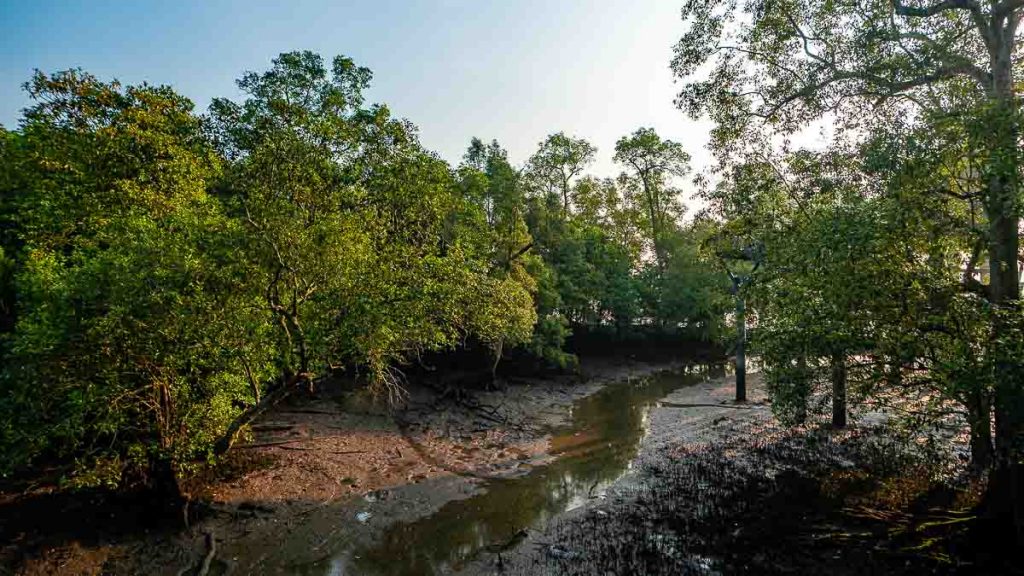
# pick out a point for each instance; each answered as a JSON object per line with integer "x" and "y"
{"x": 284, "y": 445}
{"x": 304, "y": 449}
{"x": 273, "y": 443}
{"x": 272, "y": 427}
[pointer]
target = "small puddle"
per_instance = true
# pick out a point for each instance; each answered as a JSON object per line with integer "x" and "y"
{"x": 591, "y": 453}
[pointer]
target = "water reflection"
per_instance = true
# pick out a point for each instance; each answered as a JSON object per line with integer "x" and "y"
{"x": 592, "y": 452}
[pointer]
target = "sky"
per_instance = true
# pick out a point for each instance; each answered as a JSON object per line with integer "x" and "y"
{"x": 513, "y": 70}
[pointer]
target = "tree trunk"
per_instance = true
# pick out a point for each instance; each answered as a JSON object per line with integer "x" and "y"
{"x": 979, "y": 413}
{"x": 839, "y": 390}
{"x": 497, "y": 350}
{"x": 565, "y": 197}
{"x": 804, "y": 389}
{"x": 1006, "y": 484}
{"x": 741, "y": 345}
{"x": 894, "y": 375}
{"x": 652, "y": 210}
{"x": 223, "y": 444}
{"x": 168, "y": 499}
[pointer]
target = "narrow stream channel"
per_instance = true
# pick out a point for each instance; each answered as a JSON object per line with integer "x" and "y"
{"x": 591, "y": 453}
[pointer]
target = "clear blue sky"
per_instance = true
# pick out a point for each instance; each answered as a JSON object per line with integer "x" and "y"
{"x": 514, "y": 70}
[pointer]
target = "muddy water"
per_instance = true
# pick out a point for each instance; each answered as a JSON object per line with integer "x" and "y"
{"x": 592, "y": 452}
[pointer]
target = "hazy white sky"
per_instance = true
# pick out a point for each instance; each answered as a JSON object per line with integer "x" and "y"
{"x": 512, "y": 70}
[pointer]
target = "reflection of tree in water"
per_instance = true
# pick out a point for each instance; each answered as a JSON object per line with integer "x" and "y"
{"x": 592, "y": 453}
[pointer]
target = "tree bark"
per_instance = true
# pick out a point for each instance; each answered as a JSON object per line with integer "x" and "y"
{"x": 167, "y": 496}
{"x": 497, "y": 351}
{"x": 223, "y": 444}
{"x": 1006, "y": 483}
{"x": 652, "y": 210}
{"x": 894, "y": 373}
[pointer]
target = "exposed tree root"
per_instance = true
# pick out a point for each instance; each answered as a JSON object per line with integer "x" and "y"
{"x": 211, "y": 551}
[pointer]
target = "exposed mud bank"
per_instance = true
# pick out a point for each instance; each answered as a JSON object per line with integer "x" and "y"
{"x": 726, "y": 490}
{"x": 628, "y": 470}
{"x": 311, "y": 471}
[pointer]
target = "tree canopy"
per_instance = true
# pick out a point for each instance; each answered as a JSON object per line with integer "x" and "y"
{"x": 168, "y": 275}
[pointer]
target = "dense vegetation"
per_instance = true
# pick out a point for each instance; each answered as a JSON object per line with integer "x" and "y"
{"x": 167, "y": 275}
{"x": 887, "y": 258}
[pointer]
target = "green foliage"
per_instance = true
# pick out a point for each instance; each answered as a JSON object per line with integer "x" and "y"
{"x": 365, "y": 248}
{"x": 875, "y": 247}
{"x": 130, "y": 333}
{"x": 653, "y": 163}
{"x": 164, "y": 277}
{"x": 558, "y": 160}
{"x": 691, "y": 293}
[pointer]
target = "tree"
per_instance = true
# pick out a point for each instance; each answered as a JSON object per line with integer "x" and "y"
{"x": 591, "y": 270}
{"x": 128, "y": 353}
{"x": 740, "y": 264}
{"x": 784, "y": 64}
{"x": 293, "y": 142}
{"x": 559, "y": 159}
{"x": 491, "y": 185}
{"x": 10, "y": 191}
{"x": 351, "y": 228}
{"x": 654, "y": 162}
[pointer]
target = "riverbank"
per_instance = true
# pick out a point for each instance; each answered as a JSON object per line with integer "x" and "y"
{"x": 638, "y": 467}
{"x": 310, "y": 461}
{"x": 704, "y": 413}
{"x": 720, "y": 488}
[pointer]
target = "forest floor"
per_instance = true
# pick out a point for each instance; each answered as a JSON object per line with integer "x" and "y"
{"x": 334, "y": 447}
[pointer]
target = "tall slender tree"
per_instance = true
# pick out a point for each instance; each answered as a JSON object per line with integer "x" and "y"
{"x": 559, "y": 159}
{"x": 654, "y": 162}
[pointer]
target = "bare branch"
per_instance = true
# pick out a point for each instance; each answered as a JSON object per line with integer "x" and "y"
{"x": 806, "y": 42}
{"x": 949, "y": 59}
{"x": 520, "y": 252}
{"x": 765, "y": 57}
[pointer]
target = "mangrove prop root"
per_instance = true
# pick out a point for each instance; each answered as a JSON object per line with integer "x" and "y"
{"x": 211, "y": 545}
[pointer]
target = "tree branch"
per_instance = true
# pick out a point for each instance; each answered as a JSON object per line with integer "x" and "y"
{"x": 1005, "y": 7}
{"x": 937, "y": 8}
{"x": 890, "y": 87}
{"x": 520, "y": 252}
